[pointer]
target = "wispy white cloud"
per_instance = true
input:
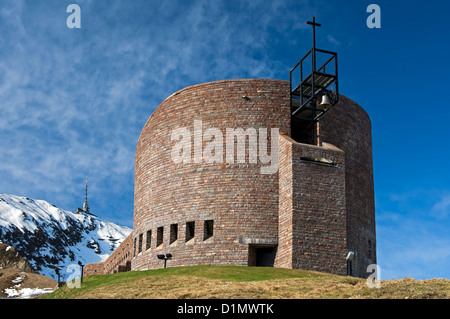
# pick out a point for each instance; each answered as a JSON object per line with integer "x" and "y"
{"x": 72, "y": 99}
{"x": 333, "y": 40}
{"x": 442, "y": 207}
{"x": 412, "y": 235}
{"x": 411, "y": 249}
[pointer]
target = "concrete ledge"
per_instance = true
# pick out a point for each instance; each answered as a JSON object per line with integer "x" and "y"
{"x": 258, "y": 241}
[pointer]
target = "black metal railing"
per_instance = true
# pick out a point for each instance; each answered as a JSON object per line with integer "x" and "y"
{"x": 314, "y": 85}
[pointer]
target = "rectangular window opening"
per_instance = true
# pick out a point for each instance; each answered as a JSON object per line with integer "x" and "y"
{"x": 173, "y": 233}
{"x": 208, "y": 230}
{"x": 159, "y": 236}
{"x": 190, "y": 230}
{"x": 148, "y": 242}
{"x": 140, "y": 243}
{"x": 349, "y": 269}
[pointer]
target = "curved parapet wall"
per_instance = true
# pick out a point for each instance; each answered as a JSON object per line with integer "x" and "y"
{"x": 92, "y": 269}
{"x": 348, "y": 127}
{"x": 200, "y": 206}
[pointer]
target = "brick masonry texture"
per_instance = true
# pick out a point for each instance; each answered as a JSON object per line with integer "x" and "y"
{"x": 311, "y": 213}
{"x": 312, "y": 229}
{"x": 93, "y": 269}
{"x": 241, "y": 201}
{"x": 348, "y": 126}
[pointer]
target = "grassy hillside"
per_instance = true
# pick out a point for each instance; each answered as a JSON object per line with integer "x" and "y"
{"x": 230, "y": 282}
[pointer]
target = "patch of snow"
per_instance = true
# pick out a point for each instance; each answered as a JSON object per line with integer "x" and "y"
{"x": 26, "y": 293}
{"x": 18, "y": 279}
{"x": 8, "y": 248}
{"x": 11, "y": 292}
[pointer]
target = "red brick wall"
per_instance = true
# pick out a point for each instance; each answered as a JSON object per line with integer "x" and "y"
{"x": 312, "y": 229}
{"x": 93, "y": 269}
{"x": 319, "y": 236}
{"x": 242, "y": 202}
{"x": 348, "y": 127}
{"x": 119, "y": 257}
{"x": 313, "y": 212}
{"x": 284, "y": 258}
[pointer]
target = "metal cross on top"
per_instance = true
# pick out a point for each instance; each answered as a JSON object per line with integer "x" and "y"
{"x": 312, "y": 94}
{"x": 314, "y": 25}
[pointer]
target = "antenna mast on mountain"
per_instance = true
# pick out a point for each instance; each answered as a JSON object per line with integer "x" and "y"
{"x": 85, "y": 205}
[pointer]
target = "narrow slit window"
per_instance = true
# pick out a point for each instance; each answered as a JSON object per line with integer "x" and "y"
{"x": 159, "y": 236}
{"x": 349, "y": 269}
{"x": 190, "y": 230}
{"x": 173, "y": 233}
{"x": 148, "y": 242}
{"x": 140, "y": 243}
{"x": 208, "y": 231}
{"x": 374, "y": 249}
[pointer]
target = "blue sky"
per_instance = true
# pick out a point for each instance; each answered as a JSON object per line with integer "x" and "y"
{"x": 77, "y": 98}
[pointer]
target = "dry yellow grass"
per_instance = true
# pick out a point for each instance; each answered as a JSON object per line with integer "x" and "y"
{"x": 308, "y": 285}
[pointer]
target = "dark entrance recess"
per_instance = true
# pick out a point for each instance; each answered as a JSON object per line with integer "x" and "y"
{"x": 261, "y": 256}
{"x": 304, "y": 131}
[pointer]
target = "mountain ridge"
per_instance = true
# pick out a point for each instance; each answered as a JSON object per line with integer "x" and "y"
{"x": 50, "y": 237}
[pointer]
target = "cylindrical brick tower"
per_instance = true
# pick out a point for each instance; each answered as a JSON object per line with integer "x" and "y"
{"x": 200, "y": 212}
{"x": 348, "y": 127}
{"x": 199, "y": 200}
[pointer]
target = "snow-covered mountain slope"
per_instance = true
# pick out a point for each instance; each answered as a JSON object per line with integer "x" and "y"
{"x": 48, "y": 236}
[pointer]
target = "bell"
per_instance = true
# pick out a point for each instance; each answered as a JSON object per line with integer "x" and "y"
{"x": 325, "y": 103}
